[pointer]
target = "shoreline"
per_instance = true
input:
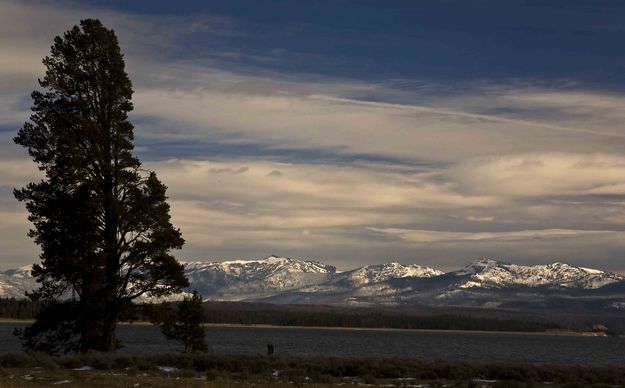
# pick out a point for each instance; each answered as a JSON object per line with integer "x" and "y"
{"x": 555, "y": 332}
{"x": 561, "y": 333}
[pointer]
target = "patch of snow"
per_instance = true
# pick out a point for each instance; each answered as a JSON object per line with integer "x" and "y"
{"x": 61, "y": 382}
{"x": 167, "y": 369}
{"x": 85, "y": 367}
{"x": 478, "y": 380}
{"x": 618, "y": 305}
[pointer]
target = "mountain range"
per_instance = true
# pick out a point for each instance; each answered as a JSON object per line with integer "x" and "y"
{"x": 482, "y": 283}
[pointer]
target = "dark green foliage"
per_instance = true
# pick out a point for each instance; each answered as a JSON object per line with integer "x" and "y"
{"x": 251, "y": 314}
{"x": 54, "y": 330}
{"x": 19, "y": 308}
{"x": 102, "y": 221}
{"x": 184, "y": 323}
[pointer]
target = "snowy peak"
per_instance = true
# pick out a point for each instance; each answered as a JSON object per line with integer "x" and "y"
{"x": 286, "y": 280}
{"x": 240, "y": 279}
{"x": 382, "y": 272}
{"x": 479, "y": 266}
{"x": 488, "y": 273}
{"x": 268, "y": 265}
{"x": 20, "y": 273}
{"x": 14, "y": 283}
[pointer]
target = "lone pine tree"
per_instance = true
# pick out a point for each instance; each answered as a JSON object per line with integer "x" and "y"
{"x": 184, "y": 323}
{"x": 101, "y": 220}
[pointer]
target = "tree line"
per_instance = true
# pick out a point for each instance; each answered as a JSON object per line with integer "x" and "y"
{"x": 172, "y": 318}
{"x": 218, "y": 313}
{"x": 13, "y": 308}
{"x": 376, "y": 320}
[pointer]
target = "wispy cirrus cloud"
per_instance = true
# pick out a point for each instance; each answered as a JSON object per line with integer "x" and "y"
{"x": 314, "y": 209}
{"x": 348, "y": 170}
{"x": 543, "y": 174}
{"x": 427, "y": 236}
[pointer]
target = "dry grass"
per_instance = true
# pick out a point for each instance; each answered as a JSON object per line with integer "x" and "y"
{"x": 219, "y": 370}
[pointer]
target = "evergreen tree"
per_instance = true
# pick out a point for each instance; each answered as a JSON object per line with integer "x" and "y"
{"x": 101, "y": 220}
{"x": 184, "y": 324}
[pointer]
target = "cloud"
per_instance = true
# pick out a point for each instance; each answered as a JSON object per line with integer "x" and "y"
{"x": 409, "y": 169}
{"x": 17, "y": 248}
{"x": 368, "y": 213}
{"x": 312, "y": 209}
{"x": 354, "y": 214}
{"x": 228, "y": 170}
{"x": 191, "y": 98}
{"x": 427, "y": 236}
{"x": 451, "y": 250}
{"x": 542, "y": 174}
{"x": 357, "y": 186}
{"x": 27, "y": 31}
{"x": 333, "y": 114}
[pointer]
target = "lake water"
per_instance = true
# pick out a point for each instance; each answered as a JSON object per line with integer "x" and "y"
{"x": 450, "y": 346}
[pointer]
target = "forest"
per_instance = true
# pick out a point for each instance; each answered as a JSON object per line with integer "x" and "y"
{"x": 315, "y": 316}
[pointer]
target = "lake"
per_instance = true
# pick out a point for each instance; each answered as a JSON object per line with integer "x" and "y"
{"x": 449, "y": 346}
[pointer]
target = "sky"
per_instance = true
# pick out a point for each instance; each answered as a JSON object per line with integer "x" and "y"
{"x": 357, "y": 132}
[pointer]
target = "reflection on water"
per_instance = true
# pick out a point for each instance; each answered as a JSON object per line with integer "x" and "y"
{"x": 451, "y": 346}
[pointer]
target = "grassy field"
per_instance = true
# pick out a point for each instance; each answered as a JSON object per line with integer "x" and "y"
{"x": 210, "y": 370}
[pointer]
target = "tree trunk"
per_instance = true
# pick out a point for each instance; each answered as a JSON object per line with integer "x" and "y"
{"x": 90, "y": 310}
{"x": 109, "y": 338}
{"x": 108, "y": 341}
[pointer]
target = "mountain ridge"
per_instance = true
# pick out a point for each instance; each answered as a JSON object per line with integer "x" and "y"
{"x": 275, "y": 279}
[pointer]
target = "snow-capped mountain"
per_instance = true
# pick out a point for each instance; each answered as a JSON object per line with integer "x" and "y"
{"x": 241, "y": 279}
{"x": 14, "y": 283}
{"x": 382, "y": 272}
{"x": 363, "y": 282}
{"x": 482, "y": 283}
{"x": 486, "y": 273}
